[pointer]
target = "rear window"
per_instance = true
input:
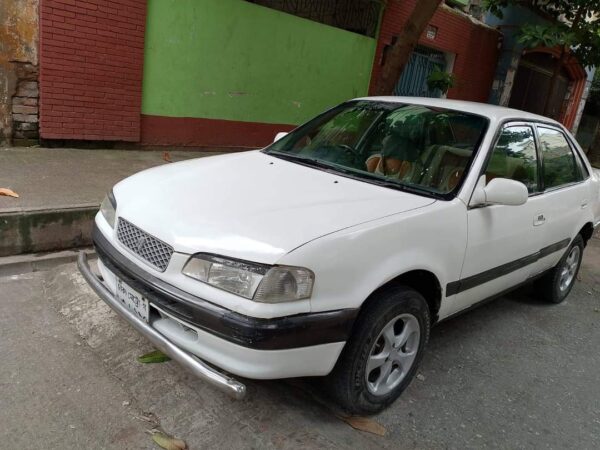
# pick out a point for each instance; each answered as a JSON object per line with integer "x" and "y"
{"x": 559, "y": 164}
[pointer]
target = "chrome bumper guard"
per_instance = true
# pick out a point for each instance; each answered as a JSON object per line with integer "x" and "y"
{"x": 202, "y": 370}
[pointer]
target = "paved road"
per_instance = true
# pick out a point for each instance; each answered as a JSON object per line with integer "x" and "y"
{"x": 515, "y": 373}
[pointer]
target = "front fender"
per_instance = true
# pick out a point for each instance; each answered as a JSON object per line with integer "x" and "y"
{"x": 351, "y": 264}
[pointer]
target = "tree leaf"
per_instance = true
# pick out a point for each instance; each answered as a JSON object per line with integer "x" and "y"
{"x": 168, "y": 442}
{"x": 364, "y": 424}
{"x": 153, "y": 357}
{"x": 8, "y": 192}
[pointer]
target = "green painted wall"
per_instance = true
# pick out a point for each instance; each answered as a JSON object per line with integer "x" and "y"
{"x": 230, "y": 59}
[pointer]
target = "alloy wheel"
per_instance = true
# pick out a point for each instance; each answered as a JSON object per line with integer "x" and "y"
{"x": 392, "y": 354}
{"x": 569, "y": 269}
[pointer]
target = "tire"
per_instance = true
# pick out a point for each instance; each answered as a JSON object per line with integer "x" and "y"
{"x": 554, "y": 287}
{"x": 399, "y": 309}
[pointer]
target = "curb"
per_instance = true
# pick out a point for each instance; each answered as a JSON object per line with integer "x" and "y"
{"x": 45, "y": 230}
{"x": 38, "y": 262}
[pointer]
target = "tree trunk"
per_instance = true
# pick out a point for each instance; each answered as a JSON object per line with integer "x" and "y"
{"x": 555, "y": 74}
{"x": 399, "y": 53}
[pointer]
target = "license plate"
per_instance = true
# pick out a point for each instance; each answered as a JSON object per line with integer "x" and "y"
{"x": 133, "y": 300}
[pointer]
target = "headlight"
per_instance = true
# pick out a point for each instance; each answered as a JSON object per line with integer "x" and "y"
{"x": 108, "y": 208}
{"x": 260, "y": 282}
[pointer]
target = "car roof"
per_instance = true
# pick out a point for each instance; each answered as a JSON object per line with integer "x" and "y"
{"x": 499, "y": 113}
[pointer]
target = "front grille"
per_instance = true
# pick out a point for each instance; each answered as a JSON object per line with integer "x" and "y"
{"x": 147, "y": 247}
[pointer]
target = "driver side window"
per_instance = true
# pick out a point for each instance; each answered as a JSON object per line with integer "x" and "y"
{"x": 515, "y": 157}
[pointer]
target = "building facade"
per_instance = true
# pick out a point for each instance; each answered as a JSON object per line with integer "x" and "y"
{"x": 230, "y": 73}
{"x": 454, "y": 41}
{"x": 522, "y": 78}
{"x": 214, "y": 73}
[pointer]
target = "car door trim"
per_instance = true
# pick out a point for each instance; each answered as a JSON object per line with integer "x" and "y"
{"x": 486, "y": 276}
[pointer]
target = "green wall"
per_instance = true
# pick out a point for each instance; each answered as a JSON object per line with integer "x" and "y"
{"x": 230, "y": 59}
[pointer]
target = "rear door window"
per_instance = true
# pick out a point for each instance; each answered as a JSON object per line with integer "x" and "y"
{"x": 559, "y": 163}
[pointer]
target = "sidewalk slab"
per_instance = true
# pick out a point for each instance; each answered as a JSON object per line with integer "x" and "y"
{"x": 60, "y": 191}
{"x": 36, "y": 262}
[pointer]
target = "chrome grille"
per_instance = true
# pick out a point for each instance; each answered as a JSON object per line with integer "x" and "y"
{"x": 147, "y": 247}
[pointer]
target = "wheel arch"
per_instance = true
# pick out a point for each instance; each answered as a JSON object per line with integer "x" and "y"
{"x": 586, "y": 232}
{"x": 424, "y": 282}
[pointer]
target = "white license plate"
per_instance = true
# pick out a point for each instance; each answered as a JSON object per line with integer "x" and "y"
{"x": 133, "y": 300}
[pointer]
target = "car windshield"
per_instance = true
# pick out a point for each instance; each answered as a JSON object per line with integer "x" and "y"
{"x": 411, "y": 147}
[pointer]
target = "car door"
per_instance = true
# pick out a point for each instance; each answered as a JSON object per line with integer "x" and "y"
{"x": 565, "y": 195}
{"x": 502, "y": 240}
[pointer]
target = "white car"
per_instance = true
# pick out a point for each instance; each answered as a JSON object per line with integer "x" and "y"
{"x": 334, "y": 250}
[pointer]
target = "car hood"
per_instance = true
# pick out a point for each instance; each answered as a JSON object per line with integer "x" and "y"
{"x": 250, "y": 205}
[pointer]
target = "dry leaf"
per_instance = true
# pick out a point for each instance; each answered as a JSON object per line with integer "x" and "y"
{"x": 8, "y": 192}
{"x": 364, "y": 424}
{"x": 167, "y": 156}
{"x": 168, "y": 442}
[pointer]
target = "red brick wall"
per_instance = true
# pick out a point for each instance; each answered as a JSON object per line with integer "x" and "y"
{"x": 91, "y": 63}
{"x": 475, "y": 47}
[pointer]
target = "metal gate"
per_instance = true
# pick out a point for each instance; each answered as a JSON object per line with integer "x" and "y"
{"x": 413, "y": 81}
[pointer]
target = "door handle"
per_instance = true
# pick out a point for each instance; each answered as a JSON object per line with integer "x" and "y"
{"x": 538, "y": 220}
{"x": 584, "y": 204}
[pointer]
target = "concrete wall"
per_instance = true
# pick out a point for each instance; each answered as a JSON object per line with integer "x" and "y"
{"x": 473, "y": 44}
{"x": 18, "y": 72}
{"x": 217, "y": 69}
{"x": 91, "y": 69}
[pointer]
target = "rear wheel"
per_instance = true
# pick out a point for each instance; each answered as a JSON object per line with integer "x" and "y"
{"x": 555, "y": 286}
{"x": 384, "y": 352}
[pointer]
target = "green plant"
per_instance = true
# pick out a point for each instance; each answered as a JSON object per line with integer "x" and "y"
{"x": 438, "y": 79}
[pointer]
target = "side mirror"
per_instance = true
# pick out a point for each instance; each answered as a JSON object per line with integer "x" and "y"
{"x": 500, "y": 191}
{"x": 279, "y": 136}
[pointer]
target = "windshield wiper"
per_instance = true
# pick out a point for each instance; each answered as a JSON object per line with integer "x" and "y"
{"x": 311, "y": 162}
{"x": 357, "y": 175}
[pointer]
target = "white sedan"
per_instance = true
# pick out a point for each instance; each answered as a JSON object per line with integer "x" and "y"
{"x": 334, "y": 250}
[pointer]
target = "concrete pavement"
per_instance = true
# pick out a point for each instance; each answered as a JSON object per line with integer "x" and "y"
{"x": 60, "y": 190}
{"x": 515, "y": 373}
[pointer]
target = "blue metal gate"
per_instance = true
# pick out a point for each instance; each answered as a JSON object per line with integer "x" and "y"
{"x": 413, "y": 81}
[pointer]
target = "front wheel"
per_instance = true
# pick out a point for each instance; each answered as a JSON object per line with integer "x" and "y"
{"x": 384, "y": 352}
{"x": 555, "y": 286}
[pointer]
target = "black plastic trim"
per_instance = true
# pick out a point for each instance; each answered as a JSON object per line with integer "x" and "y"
{"x": 494, "y": 297}
{"x": 301, "y": 330}
{"x": 464, "y": 284}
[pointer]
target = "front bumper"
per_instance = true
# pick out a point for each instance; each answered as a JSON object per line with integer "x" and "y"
{"x": 228, "y": 385}
{"x": 281, "y": 347}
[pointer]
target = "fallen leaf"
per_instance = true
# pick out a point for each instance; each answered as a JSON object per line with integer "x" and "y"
{"x": 421, "y": 377}
{"x": 168, "y": 442}
{"x": 364, "y": 424}
{"x": 153, "y": 357}
{"x": 8, "y": 192}
{"x": 167, "y": 156}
